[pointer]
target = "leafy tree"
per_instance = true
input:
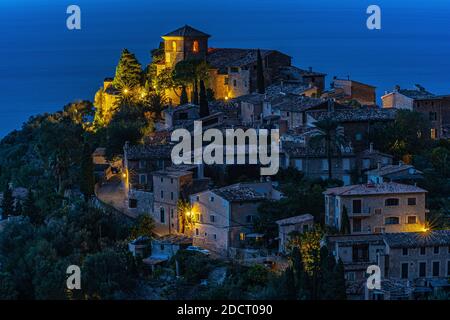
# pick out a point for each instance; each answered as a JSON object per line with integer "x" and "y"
{"x": 144, "y": 227}
{"x": 87, "y": 181}
{"x": 260, "y": 74}
{"x": 128, "y": 72}
{"x": 7, "y": 202}
{"x": 184, "y": 97}
{"x": 7, "y": 287}
{"x": 330, "y": 134}
{"x": 31, "y": 210}
{"x": 204, "y": 109}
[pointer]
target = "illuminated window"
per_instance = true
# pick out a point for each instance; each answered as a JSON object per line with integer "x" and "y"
{"x": 174, "y": 46}
{"x": 242, "y": 236}
{"x": 433, "y": 134}
{"x": 195, "y": 46}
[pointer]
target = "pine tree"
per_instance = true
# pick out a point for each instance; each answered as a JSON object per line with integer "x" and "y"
{"x": 87, "y": 181}
{"x": 31, "y": 210}
{"x": 345, "y": 223}
{"x": 128, "y": 72}
{"x": 7, "y": 203}
{"x": 184, "y": 96}
{"x": 260, "y": 74}
{"x": 204, "y": 109}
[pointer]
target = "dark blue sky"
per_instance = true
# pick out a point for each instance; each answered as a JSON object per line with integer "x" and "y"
{"x": 44, "y": 65}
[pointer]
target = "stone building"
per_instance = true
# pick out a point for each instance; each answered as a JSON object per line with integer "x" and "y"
{"x": 345, "y": 90}
{"x": 435, "y": 108}
{"x": 394, "y": 172}
{"x": 224, "y": 217}
{"x": 297, "y": 224}
{"x": 375, "y": 208}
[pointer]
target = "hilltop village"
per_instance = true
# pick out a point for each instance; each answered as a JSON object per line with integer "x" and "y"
{"x": 359, "y": 183}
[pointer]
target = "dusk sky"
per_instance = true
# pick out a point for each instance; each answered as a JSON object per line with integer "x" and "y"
{"x": 44, "y": 65}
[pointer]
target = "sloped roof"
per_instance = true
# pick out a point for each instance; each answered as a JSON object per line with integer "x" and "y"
{"x": 392, "y": 168}
{"x": 357, "y": 115}
{"x": 374, "y": 189}
{"x": 137, "y": 152}
{"x": 416, "y": 93}
{"x": 186, "y": 31}
{"x": 295, "y": 220}
{"x": 222, "y": 58}
{"x": 418, "y": 239}
{"x": 238, "y": 192}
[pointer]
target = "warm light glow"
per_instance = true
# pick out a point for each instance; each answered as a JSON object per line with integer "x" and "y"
{"x": 195, "y": 46}
{"x": 124, "y": 175}
{"x": 125, "y": 91}
{"x": 188, "y": 213}
{"x": 226, "y": 98}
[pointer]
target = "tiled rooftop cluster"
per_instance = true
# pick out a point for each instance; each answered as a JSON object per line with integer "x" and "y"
{"x": 239, "y": 192}
{"x": 372, "y": 189}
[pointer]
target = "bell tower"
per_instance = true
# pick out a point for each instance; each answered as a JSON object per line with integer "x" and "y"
{"x": 184, "y": 43}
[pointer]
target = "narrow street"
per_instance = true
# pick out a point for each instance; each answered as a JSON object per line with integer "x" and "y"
{"x": 112, "y": 193}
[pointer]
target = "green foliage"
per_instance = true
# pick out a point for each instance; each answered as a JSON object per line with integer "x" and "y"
{"x": 204, "y": 108}
{"x": 128, "y": 72}
{"x": 144, "y": 226}
{"x": 31, "y": 210}
{"x": 108, "y": 274}
{"x": 193, "y": 266}
{"x": 7, "y": 287}
{"x": 7, "y": 202}
{"x": 331, "y": 135}
{"x": 184, "y": 96}
{"x": 87, "y": 180}
{"x": 345, "y": 224}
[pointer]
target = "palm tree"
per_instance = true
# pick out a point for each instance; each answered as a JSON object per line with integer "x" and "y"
{"x": 331, "y": 134}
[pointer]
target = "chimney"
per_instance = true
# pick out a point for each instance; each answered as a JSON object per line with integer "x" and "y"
{"x": 371, "y": 147}
{"x": 310, "y": 69}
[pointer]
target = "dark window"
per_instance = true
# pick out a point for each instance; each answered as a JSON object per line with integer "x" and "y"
{"x": 405, "y": 251}
{"x": 234, "y": 69}
{"x": 162, "y": 215}
{"x": 356, "y": 206}
{"x": 212, "y": 218}
{"x": 357, "y": 224}
{"x": 436, "y": 250}
{"x": 436, "y": 266}
{"x": 433, "y": 116}
{"x": 423, "y": 251}
{"x": 405, "y": 270}
{"x": 234, "y": 83}
{"x": 171, "y": 196}
{"x": 249, "y": 219}
{"x": 391, "y": 202}
{"x": 411, "y": 201}
{"x": 171, "y": 180}
{"x": 422, "y": 269}
{"x": 196, "y": 232}
{"x": 392, "y": 220}
{"x": 162, "y": 194}
{"x": 225, "y": 81}
{"x": 360, "y": 253}
{"x": 412, "y": 219}
{"x": 305, "y": 228}
{"x": 162, "y": 180}
{"x": 132, "y": 203}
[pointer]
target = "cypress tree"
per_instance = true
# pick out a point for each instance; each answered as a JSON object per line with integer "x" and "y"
{"x": 184, "y": 96}
{"x": 260, "y": 74}
{"x": 195, "y": 94}
{"x": 204, "y": 109}
{"x": 345, "y": 224}
{"x": 7, "y": 203}
{"x": 31, "y": 210}
{"x": 339, "y": 276}
{"x": 128, "y": 71}
{"x": 87, "y": 181}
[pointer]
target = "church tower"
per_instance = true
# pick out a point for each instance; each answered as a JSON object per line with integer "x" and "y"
{"x": 184, "y": 43}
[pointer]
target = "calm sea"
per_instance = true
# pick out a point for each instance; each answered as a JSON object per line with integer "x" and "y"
{"x": 44, "y": 66}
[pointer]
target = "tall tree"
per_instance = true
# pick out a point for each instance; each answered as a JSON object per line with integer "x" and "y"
{"x": 260, "y": 74}
{"x": 330, "y": 134}
{"x": 128, "y": 72}
{"x": 195, "y": 94}
{"x": 204, "y": 109}
{"x": 87, "y": 181}
{"x": 7, "y": 203}
{"x": 31, "y": 210}
{"x": 184, "y": 96}
{"x": 345, "y": 223}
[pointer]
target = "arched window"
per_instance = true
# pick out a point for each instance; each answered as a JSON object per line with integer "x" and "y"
{"x": 174, "y": 46}
{"x": 195, "y": 46}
